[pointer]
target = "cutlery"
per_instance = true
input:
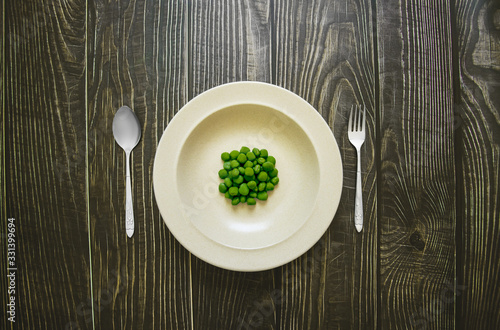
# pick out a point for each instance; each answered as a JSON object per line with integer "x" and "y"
{"x": 356, "y": 133}
{"x": 127, "y": 133}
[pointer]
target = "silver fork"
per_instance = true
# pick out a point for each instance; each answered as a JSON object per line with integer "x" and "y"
{"x": 356, "y": 133}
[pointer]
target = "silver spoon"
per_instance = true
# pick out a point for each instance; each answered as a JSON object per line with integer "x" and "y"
{"x": 127, "y": 133}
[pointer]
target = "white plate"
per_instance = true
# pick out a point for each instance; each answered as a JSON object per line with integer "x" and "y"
{"x": 243, "y": 237}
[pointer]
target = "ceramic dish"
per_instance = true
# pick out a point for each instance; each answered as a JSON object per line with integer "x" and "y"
{"x": 244, "y": 237}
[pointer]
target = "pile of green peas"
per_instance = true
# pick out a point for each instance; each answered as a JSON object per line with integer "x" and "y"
{"x": 248, "y": 175}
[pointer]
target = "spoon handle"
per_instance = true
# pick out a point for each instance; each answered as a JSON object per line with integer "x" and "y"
{"x": 129, "y": 210}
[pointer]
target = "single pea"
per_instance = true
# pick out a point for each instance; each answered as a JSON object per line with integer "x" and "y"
{"x": 262, "y": 176}
{"x": 256, "y": 169}
{"x": 252, "y": 184}
{"x": 234, "y": 154}
{"x": 252, "y": 194}
{"x": 263, "y": 153}
{"x": 225, "y": 156}
{"x": 234, "y": 163}
{"x": 261, "y": 160}
{"x": 223, "y": 174}
{"x": 251, "y": 156}
{"x": 256, "y": 152}
{"x": 244, "y": 149}
{"x": 241, "y": 158}
{"x": 233, "y": 191}
{"x": 241, "y": 169}
{"x": 269, "y": 186}
{"x": 255, "y": 162}
{"x": 222, "y": 188}
{"x": 238, "y": 180}
{"x": 271, "y": 159}
{"x": 243, "y": 189}
{"x": 235, "y": 172}
{"x": 248, "y": 164}
{"x": 262, "y": 196}
{"x": 235, "y": 201}
{"x": 243, "y": 199}
{"x": 249, "y": 171}
{"x": 268, "y": 166}
{"x": 262, "y": 186}
{"x": 275, "y": 180}
{"x": 227, "y": 166}
{"x": 273, "y": 173}
{"x": 251, "y": 201}
{"x": 228, "y": 182}
{"x": 227, "y": 195}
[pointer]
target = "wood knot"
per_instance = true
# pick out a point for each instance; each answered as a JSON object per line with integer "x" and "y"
{"x": 416, "y": 241}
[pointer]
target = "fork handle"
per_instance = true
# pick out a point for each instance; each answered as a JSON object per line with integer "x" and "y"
{"x": 358, "y": 205}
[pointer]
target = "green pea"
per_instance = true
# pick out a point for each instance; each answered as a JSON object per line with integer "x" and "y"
{"x": 273, "y": 173}
{"x": 225, "y": 156}
{"x": 252, "y": 194}
{"x": 252, "y": 184}
{"x": 251, "y": 201}
{"x": 233, "y": 191}
{"x": 238, "y": 180}
{"x": 235, "y": 201}
{"x": 228, "y": 182}
{"x": 263, "y": 153}
{"x": 256, "y": 169}
{"x": 244, "y": 149}
{"x": 262, "y": 196}
{"x": 234, "y": 163}
{"x": 234, "y": 154}
{"x": 243, "y": 189}
{"x": 223, "y": 174}
{"x": 248, "y": 171}
{"x": 262, "y": 186}
{"x": 262, "y": 176}
{"x": 256, "y": 152}
{"x": 261, "y": 160}
{"x": 249, "y": 178}
{"x": 222, "y": 188}
{"x": 241, "y": 169}
{"x": 243, "y": 199}
{"x": 235, "y": 172}
{"x": 269, "y": 186}
{"x": 248, "y": 164}
{"x": 275, "y": 180}
{"x": 255, "y": 162}
{"x": 271, "y": 159}
{"x": 227, "y": 166}
{"x": 251, "y": 156}
{"x": 268, "y": 166}
{"x": 241, "y": 158}
{"x": 227, "y": 195}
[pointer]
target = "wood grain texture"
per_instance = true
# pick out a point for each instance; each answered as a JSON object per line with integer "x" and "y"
{"x": 417, "y": 184}
{"x": 136, "y": 58}
{"x": 477, "y": 124}
{"x": 324, "y": 53}
{"x": 230, "y": 41}
{"x": 44, "y": 159}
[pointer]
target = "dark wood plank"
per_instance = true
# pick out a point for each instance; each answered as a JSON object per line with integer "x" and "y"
{"x": 229, "y": 41}
{"x": 324, "y": 53}
{"x": 417, "y": 184}
{"x": 136, "y": 58}
{"x": 477, "y": 125}
{"x": 45, "y": 163}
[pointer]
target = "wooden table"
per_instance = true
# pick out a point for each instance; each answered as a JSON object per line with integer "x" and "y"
{"x": 428, "y": 72}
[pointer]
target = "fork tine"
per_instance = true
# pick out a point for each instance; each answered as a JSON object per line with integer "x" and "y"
{"x": 349, "y": 126}
{"x": 364, "y": 119}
